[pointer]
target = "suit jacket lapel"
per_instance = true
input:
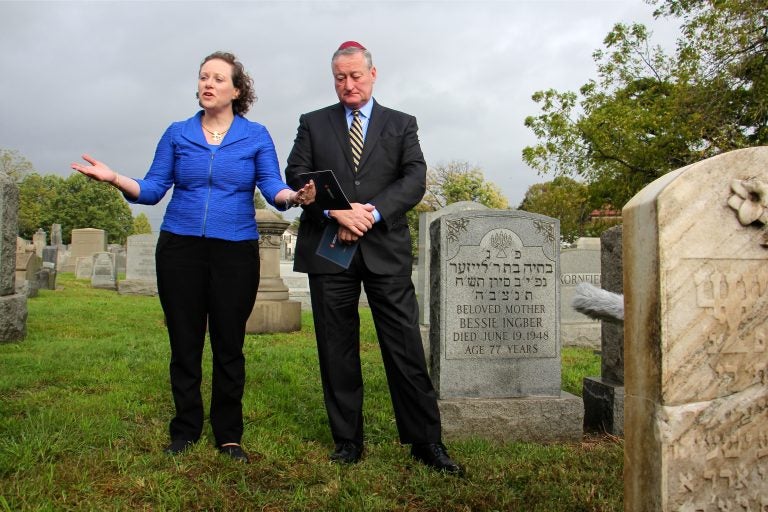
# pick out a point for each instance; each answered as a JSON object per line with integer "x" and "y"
{"x": 375, "y": 125}
{"x": 337, "y": 117}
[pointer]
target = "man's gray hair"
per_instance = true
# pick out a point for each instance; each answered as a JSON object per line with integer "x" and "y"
{"x": 351, "y": 51}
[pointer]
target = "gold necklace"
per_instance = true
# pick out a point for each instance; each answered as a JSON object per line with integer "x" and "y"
{"x": 216, "y": 136}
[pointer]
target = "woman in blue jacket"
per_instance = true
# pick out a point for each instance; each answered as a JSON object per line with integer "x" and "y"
{"x": 207, "y": 252}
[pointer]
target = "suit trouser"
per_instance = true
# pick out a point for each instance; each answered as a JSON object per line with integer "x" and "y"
{"x": 392, "y": 299}
{"x": 207, "y": 280}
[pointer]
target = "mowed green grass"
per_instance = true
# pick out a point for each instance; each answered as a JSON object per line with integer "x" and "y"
{"x": 85, "y": 403}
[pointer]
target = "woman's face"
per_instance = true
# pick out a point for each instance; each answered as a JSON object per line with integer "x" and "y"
{"x": 215, "y": 89}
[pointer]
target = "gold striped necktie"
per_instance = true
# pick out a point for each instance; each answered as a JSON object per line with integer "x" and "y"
{"x": 356, "y": 138}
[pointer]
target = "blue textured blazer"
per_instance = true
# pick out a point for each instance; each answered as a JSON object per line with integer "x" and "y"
{"x": 213, "y": 190}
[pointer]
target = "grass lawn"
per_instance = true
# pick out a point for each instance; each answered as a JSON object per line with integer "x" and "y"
{"x": 85, "y": 402}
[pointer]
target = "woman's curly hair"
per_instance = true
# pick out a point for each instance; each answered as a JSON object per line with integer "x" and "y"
{"x": 240, "y": 79}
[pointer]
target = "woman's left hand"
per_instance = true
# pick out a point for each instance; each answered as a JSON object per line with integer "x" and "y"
{"x": 305, "y": 195}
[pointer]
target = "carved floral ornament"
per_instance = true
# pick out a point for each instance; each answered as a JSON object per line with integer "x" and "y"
{"x": 750, "y": 200}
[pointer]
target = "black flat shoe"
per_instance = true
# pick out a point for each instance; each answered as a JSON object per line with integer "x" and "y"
{"x": 347, "y": 453}
{"x": 435, "y": 455}
{"x": 178, "y": 446}
{"x": 235, "y": 451}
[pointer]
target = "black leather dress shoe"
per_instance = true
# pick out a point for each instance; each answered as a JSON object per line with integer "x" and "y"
{"x": 435, "y": 455}
{"x": 347, "y": 453}
{"x": 178, "y": 446}
{"x": 234, "y": 451}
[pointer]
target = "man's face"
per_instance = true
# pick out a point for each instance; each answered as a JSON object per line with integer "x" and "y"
{"x": 353, "y": 80}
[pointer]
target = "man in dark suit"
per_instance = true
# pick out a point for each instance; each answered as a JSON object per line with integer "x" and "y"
{"x": 380, "y": 167}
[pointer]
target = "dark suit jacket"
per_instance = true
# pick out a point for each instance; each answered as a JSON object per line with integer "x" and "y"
{"x": 391, "y": 176}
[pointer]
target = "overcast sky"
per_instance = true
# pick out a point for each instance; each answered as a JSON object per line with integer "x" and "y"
{"x": 107, "y": 78}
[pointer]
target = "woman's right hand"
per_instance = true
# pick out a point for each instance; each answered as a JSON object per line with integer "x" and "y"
{"x": 98, "y": 171}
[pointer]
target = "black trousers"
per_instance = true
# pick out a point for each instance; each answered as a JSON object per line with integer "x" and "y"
{"x": 207, "y": 281}
{"x": 392, "y": 299}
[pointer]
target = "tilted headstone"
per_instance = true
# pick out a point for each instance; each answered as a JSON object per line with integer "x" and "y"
{"x": 13, "y": 306}
{"x": 28, "y": 264}
{"x": 494, "y": 329}
{"x": 604, "y": 396}
{"x": 696, "y": 324}
{"x": 104, "y": 272}
{"x": 580, "y": 264}
{"x": 140, "y": 272}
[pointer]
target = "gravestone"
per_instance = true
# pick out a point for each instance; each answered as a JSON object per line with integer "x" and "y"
{"x": 47, "y": 276}
{"x": 62, "y": 253}
{"x": 119, "y": 256}
{"x": 13, "y": 306}
{"x": 422, "y": 276}
{"x": 104, "y": 272}
{"x": 85, "y": 243}
{"x": 273, "y": 311}
{"x": 140, "y": 272}
{"x": 695, "y": 255}
{"x": 28, "y": 264}
{"x": 494, "y": 327}
{"x": 56, "y": 238}
{"x": 39, "y": 241}
{"x": 604, "y": 396}
{"x": 580, "y": 264}
{"x": 84, "y": 267}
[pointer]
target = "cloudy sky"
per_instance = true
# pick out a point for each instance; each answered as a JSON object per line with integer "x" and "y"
{"x": 107, "y": 78}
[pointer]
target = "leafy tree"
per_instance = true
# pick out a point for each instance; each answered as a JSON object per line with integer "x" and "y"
{"x": 37, "y": 199}
{"x": 458, "y": 181}
{"x": 84, "y": 203}
{"x": 648, "y": 113}
{"x": 569, "y": 201}
{"x": 74, "y": 202}
{"x": 141, "y": 225}
{"x": 14, "y": 164}
{"x": 452, "y": 183}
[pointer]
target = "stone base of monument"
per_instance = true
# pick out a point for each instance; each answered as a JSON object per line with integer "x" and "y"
{"x": 274, "y": 316}
{"x": 539, "y": 419}
{"x": 580, "y": 335}
{"x": 137, "y": 287}
{"x": 603, "y": 406}
{"x": 13, "y": 317}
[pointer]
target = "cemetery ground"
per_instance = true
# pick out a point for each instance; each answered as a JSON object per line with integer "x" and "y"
{"x": 85, "y": 401}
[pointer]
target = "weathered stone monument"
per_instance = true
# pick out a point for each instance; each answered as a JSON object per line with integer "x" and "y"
{"x": 104, "y": 271}
{"x": 48, "y": 272}
{"x": 140, "y": 272}
{"x": 696, "y": 324}
{"x": 13, "y": 306}
{"x": 604, "y": 396}
{"x": 39, "y": 241}
{"x": 85, "y": 243}
{"x": 28, "y": 264}
{"x": 84, "y": 267}
{"x": 494, "y": 327}
{"x": 273, "y": 311}
{"x": 580, "y": 264}
{"x": 423, "y": 267}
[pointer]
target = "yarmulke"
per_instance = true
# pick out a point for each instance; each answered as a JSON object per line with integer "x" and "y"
{"x": 351, "y": 44}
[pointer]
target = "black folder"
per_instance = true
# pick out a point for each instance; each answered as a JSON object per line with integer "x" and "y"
{"x": 329, "y": 195}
